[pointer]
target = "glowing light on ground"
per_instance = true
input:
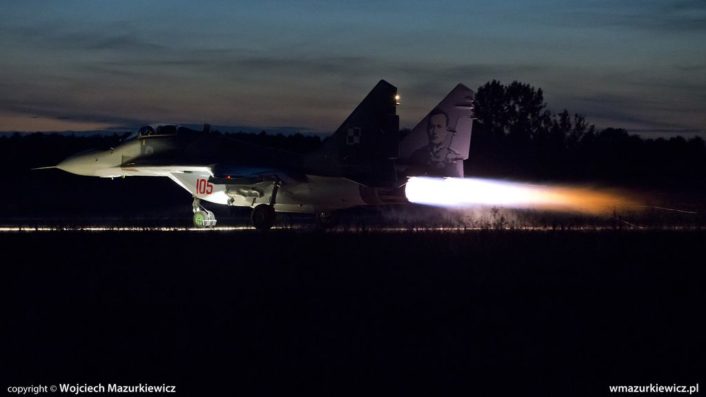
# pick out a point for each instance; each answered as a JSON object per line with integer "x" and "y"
{"x": 30, "y": 229}
{"x": 471, "y": 192}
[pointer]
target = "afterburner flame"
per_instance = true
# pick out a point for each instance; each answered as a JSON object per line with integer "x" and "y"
{"x": 470, "y": 192}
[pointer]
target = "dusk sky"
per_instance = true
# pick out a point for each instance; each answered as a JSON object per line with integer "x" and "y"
{"x": 91, "y": 65}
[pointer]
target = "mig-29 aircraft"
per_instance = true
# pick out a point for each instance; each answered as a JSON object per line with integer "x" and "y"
{"x": 365, "y": 162}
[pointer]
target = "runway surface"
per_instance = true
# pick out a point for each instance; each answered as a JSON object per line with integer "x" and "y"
{"x": 235, "y": 311}
{"x": 343, "y": 230}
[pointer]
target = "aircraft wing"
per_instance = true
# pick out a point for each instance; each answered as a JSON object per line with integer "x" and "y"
{"x": 242, "y": 186}
{"x": 165, "y": 170}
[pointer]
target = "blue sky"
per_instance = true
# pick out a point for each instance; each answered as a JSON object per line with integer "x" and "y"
{"x": 639, "y": 65}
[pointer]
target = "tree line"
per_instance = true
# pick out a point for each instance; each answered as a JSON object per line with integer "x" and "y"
{"x": 515, "y": 135}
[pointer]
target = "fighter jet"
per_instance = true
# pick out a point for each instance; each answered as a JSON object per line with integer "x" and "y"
{"x": 365, "y": 162}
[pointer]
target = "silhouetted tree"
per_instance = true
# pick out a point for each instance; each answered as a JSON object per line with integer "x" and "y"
{"x": 515, "y": 135}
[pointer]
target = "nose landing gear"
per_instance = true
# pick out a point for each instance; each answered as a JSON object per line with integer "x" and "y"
{"x": 202, "y": 217}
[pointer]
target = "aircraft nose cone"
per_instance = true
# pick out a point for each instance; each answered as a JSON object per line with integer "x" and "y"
{"x": 79, "y": 164}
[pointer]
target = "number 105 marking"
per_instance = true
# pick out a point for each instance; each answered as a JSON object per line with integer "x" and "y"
{"x": 203, "y": 187}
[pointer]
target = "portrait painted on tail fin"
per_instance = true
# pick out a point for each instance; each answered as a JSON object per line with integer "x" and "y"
{"x": 440, "y": 142}
{"x": 438, "y": 157}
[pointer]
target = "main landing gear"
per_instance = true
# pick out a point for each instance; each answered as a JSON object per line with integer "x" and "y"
{"x": 202, "y": 216}
{"x": 326, "y": 219}
{"x": 263, "y": 215}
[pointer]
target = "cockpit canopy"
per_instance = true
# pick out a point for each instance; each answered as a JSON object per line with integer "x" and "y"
{"x": 153, "y": 131}
{"x": 161, "y": 130}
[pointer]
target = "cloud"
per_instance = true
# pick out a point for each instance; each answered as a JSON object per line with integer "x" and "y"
{"x": 18, "y": 122}
{"x": 123, "y": 42}
{"x": 691, "y": 67}
{"x": 54, "y": 36}
{"x": 239, "y": 88}
{"x": 666, "y": 16}
{"x": 646, "y": 116}
{"x": 310, "y": 65}
{"x": 280, "y": 68}
{"x": 68, "y": 114}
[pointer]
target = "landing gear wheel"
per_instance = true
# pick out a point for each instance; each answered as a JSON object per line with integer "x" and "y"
{"x": 263, "y": 217}
{"x": 204, "y": 219}
{"x": 326, "y": 219}
{"x": 202, "y": 216}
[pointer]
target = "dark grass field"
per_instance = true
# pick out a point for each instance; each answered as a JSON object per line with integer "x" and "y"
{"x": 285, "y": 313}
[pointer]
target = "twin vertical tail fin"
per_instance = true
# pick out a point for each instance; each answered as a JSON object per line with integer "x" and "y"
{"x": 364, "y": 147}
{"x": 367, "y": 149}
{"x": 440, "y": 142}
